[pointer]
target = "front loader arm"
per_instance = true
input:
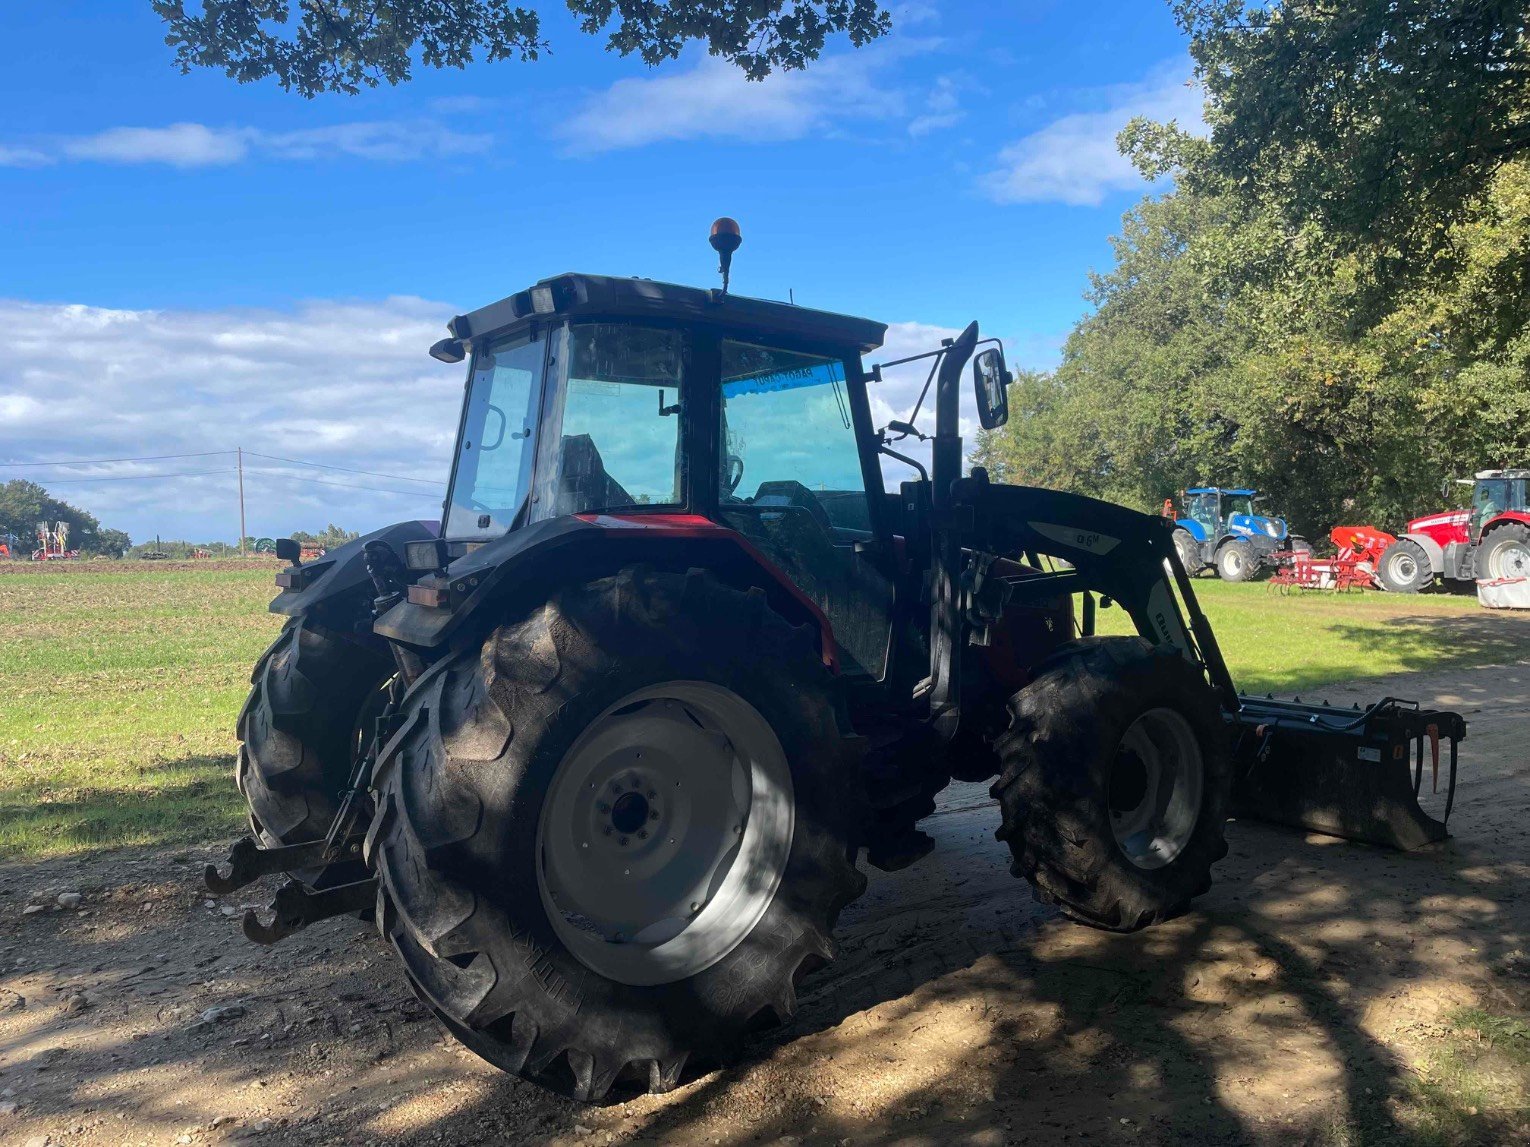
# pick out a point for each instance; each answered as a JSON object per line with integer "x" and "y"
{"x": 1352, "y": 773}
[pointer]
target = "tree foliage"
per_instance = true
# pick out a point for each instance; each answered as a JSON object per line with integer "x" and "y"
{"x": 314, "y": 46}
{"x": 1389, "y": 119}
{"x": 1260, "y": 329}
{"x": 24, "y": 504}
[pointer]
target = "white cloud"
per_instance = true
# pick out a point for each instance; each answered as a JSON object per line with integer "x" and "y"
{"x": 1074, "y": 159}
{"x": 189, "y": 145}
{"x": 347, "y": 383}
{"x": 942, "y": 109}
{"x": 713, "y": 100}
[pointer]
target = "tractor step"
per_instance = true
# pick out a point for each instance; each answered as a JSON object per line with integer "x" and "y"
{"x": 296, "y": 906}
{"x": 1344, "y": 772}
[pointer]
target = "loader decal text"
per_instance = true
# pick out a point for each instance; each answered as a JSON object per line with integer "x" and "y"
{"x": 1077, "y": 538}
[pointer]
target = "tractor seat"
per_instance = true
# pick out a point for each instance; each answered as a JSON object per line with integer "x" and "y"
{"x": 583, "y": 483}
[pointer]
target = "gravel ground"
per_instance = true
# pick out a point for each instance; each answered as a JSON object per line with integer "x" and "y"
{"x": 1305, "y": 1000}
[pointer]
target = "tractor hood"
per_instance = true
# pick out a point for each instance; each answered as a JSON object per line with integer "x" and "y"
{"x": 1257, "y": 526}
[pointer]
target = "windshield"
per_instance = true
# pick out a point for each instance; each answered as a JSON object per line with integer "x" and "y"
{"x": 493, "y": 466}
{"x": 612, "y": 438}
{"x": 1237, "y": 504}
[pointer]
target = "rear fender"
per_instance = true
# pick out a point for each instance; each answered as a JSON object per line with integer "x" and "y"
{"x": 336, "y": 589}
{"x": 505, "y": 576}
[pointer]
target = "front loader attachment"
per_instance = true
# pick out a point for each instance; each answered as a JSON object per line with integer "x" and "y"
{"x": 1346, "y": 772}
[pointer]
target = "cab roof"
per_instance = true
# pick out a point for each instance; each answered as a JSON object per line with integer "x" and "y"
{"x": 602, "y": 296}
{"x": 1219, "y": 490}
{"x": 1502, "y": 474}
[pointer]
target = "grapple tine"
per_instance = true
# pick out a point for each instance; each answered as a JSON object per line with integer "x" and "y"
{"x": 1332, "y": 771}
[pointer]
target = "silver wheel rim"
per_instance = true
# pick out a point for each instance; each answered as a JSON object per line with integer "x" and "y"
{"x": 1232, "y": 561}
{"x": 1510, "y": 560}
{"x": 665, "y": 833}
{"x": 1404, "y": 569}
{"x": 1155, "y": 788}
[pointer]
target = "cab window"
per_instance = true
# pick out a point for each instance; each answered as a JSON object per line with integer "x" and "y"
{"x": 492, "y": 472}
{"x": 790, "y": 479}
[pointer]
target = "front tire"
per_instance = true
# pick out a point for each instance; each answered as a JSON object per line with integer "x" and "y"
{"x": 531, "y": 916}
{"x": 1115, "y": 785}
{"x": 1404, "y": 567}
{"x": 1237, "y": 561}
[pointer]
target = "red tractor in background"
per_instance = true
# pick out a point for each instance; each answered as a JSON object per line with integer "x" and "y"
{"x": 1488, "y": 544}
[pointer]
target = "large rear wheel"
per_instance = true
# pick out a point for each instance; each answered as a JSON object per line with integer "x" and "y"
{"x": 1115, "y": 783}
{"x": 1506, "y": 552}
{"x": 612, "y": 838}
{"x": 301, "y": 727}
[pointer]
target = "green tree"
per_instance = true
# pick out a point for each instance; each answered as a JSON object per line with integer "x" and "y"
{"x": 1387, "y": 119}
{"x": 344, "y": 45}
{"x": 24, "y": 504}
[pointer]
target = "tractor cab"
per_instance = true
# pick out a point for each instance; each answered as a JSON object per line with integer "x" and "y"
{"x": 591, "y": 398}
{"x": 1494, "y": 493}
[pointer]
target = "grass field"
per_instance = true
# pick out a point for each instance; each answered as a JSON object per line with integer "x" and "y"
{"x": 119, "y": 685}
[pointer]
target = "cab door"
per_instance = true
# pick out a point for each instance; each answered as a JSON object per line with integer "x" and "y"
{"x": 790, "y": 478}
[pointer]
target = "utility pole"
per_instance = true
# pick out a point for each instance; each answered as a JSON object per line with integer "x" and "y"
{"x": 240, "y": 452}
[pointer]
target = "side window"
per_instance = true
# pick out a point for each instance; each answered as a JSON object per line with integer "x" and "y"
{"x": 615, "y": 439}
{"x": 494, "y": 459}
{"x": 788, "y": 435}
{"x": 791, "y": 482}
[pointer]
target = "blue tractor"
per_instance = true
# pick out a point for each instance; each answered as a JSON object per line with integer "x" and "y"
{"x": 1221, "y": 529}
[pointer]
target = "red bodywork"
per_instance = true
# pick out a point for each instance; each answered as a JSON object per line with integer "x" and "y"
{"x": 1456, "y": 525}
{"x": 1353, "y": 567}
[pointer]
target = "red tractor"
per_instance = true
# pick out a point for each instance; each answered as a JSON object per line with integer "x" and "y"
{"x": 1488, "y": 543}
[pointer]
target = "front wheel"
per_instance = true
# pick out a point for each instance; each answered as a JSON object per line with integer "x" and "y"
{"x": 1404, "y": 567}
{"x": 1189, "y": 551}
{"x": 1115, "y": 784}
{"x": 612, "y": 838}
{"x": 1237, "y": 561}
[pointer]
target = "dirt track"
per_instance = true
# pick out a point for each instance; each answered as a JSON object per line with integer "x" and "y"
{"x": 1306, "y": 1000}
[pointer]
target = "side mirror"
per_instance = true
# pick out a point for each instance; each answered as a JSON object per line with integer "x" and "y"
{"x": 288, "y": 551}
{"x": 1445, "y": 489}
{"x": 991, "y": 379}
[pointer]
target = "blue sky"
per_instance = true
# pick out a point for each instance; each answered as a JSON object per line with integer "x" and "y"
{"x": 188, "y": 263}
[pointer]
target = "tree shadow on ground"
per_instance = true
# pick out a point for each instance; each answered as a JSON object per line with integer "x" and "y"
{"x": 1279, "y": 1011}
{"x": 190, "y": 800}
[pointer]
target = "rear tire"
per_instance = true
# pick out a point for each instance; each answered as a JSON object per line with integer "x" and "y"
{"x": 1506, "y": 552}
{"x": 1404, "y": 567}
{"x": 1115, "y": 785}
{"x": 490, "y": 802}
{"x": 1189, "y": 552}
{"x": 1237, "y": 561}
{"x": 299, "y": 729}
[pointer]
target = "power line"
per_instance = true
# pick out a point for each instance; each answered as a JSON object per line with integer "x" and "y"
{"x": 341, "y": 485}
{"x": 140, "y": 477}
{"x": 101, "y": 461}
{"x": 347, "y": 469}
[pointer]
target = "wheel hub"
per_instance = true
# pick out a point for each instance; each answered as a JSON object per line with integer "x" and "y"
{"x": 1155, "y": 788}
{"x": 665, "y": 832}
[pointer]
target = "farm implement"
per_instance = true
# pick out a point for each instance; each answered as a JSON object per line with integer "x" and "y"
{"x": 1353, "y": 566}
{"x": 602, "y": 751}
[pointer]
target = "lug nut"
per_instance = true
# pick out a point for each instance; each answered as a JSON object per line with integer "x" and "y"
{"x": 653, "y": 814}
{"x": 608, "y": 830}
{"x": 652, "y": 794}
{"x": 695, "y": 907}
{"x": 642, "y": 834}
{"x": 622, "y": 841}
